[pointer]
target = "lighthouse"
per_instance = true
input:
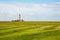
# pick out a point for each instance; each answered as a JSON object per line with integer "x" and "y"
{"x": 19, "y": 17}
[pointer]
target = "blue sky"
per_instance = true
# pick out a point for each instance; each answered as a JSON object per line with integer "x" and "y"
{"x": 30, "y": 1}
{"x": 44, "y": 10}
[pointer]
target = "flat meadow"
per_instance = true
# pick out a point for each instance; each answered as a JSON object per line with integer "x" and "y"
{"x": 29, "y": 30}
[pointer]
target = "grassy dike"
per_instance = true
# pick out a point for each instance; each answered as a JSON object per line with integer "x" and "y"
{"x": 29, "y": 30}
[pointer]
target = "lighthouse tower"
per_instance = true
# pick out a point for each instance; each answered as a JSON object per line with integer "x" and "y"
{"x": 19, "y": 17}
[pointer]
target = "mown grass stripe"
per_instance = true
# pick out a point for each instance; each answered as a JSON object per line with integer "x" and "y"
{"x": 30, "y": 31}
{"x": 14, "y": 31}
{"x": 22, "y": 28}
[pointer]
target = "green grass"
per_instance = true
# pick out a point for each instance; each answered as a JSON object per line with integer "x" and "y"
{"x": 29, "y": 31}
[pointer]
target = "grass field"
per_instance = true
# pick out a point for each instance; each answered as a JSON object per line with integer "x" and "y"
{"x": 30, "y": 30}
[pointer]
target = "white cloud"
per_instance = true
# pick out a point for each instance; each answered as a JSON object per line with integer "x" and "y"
{"x": 30, "y": 11}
